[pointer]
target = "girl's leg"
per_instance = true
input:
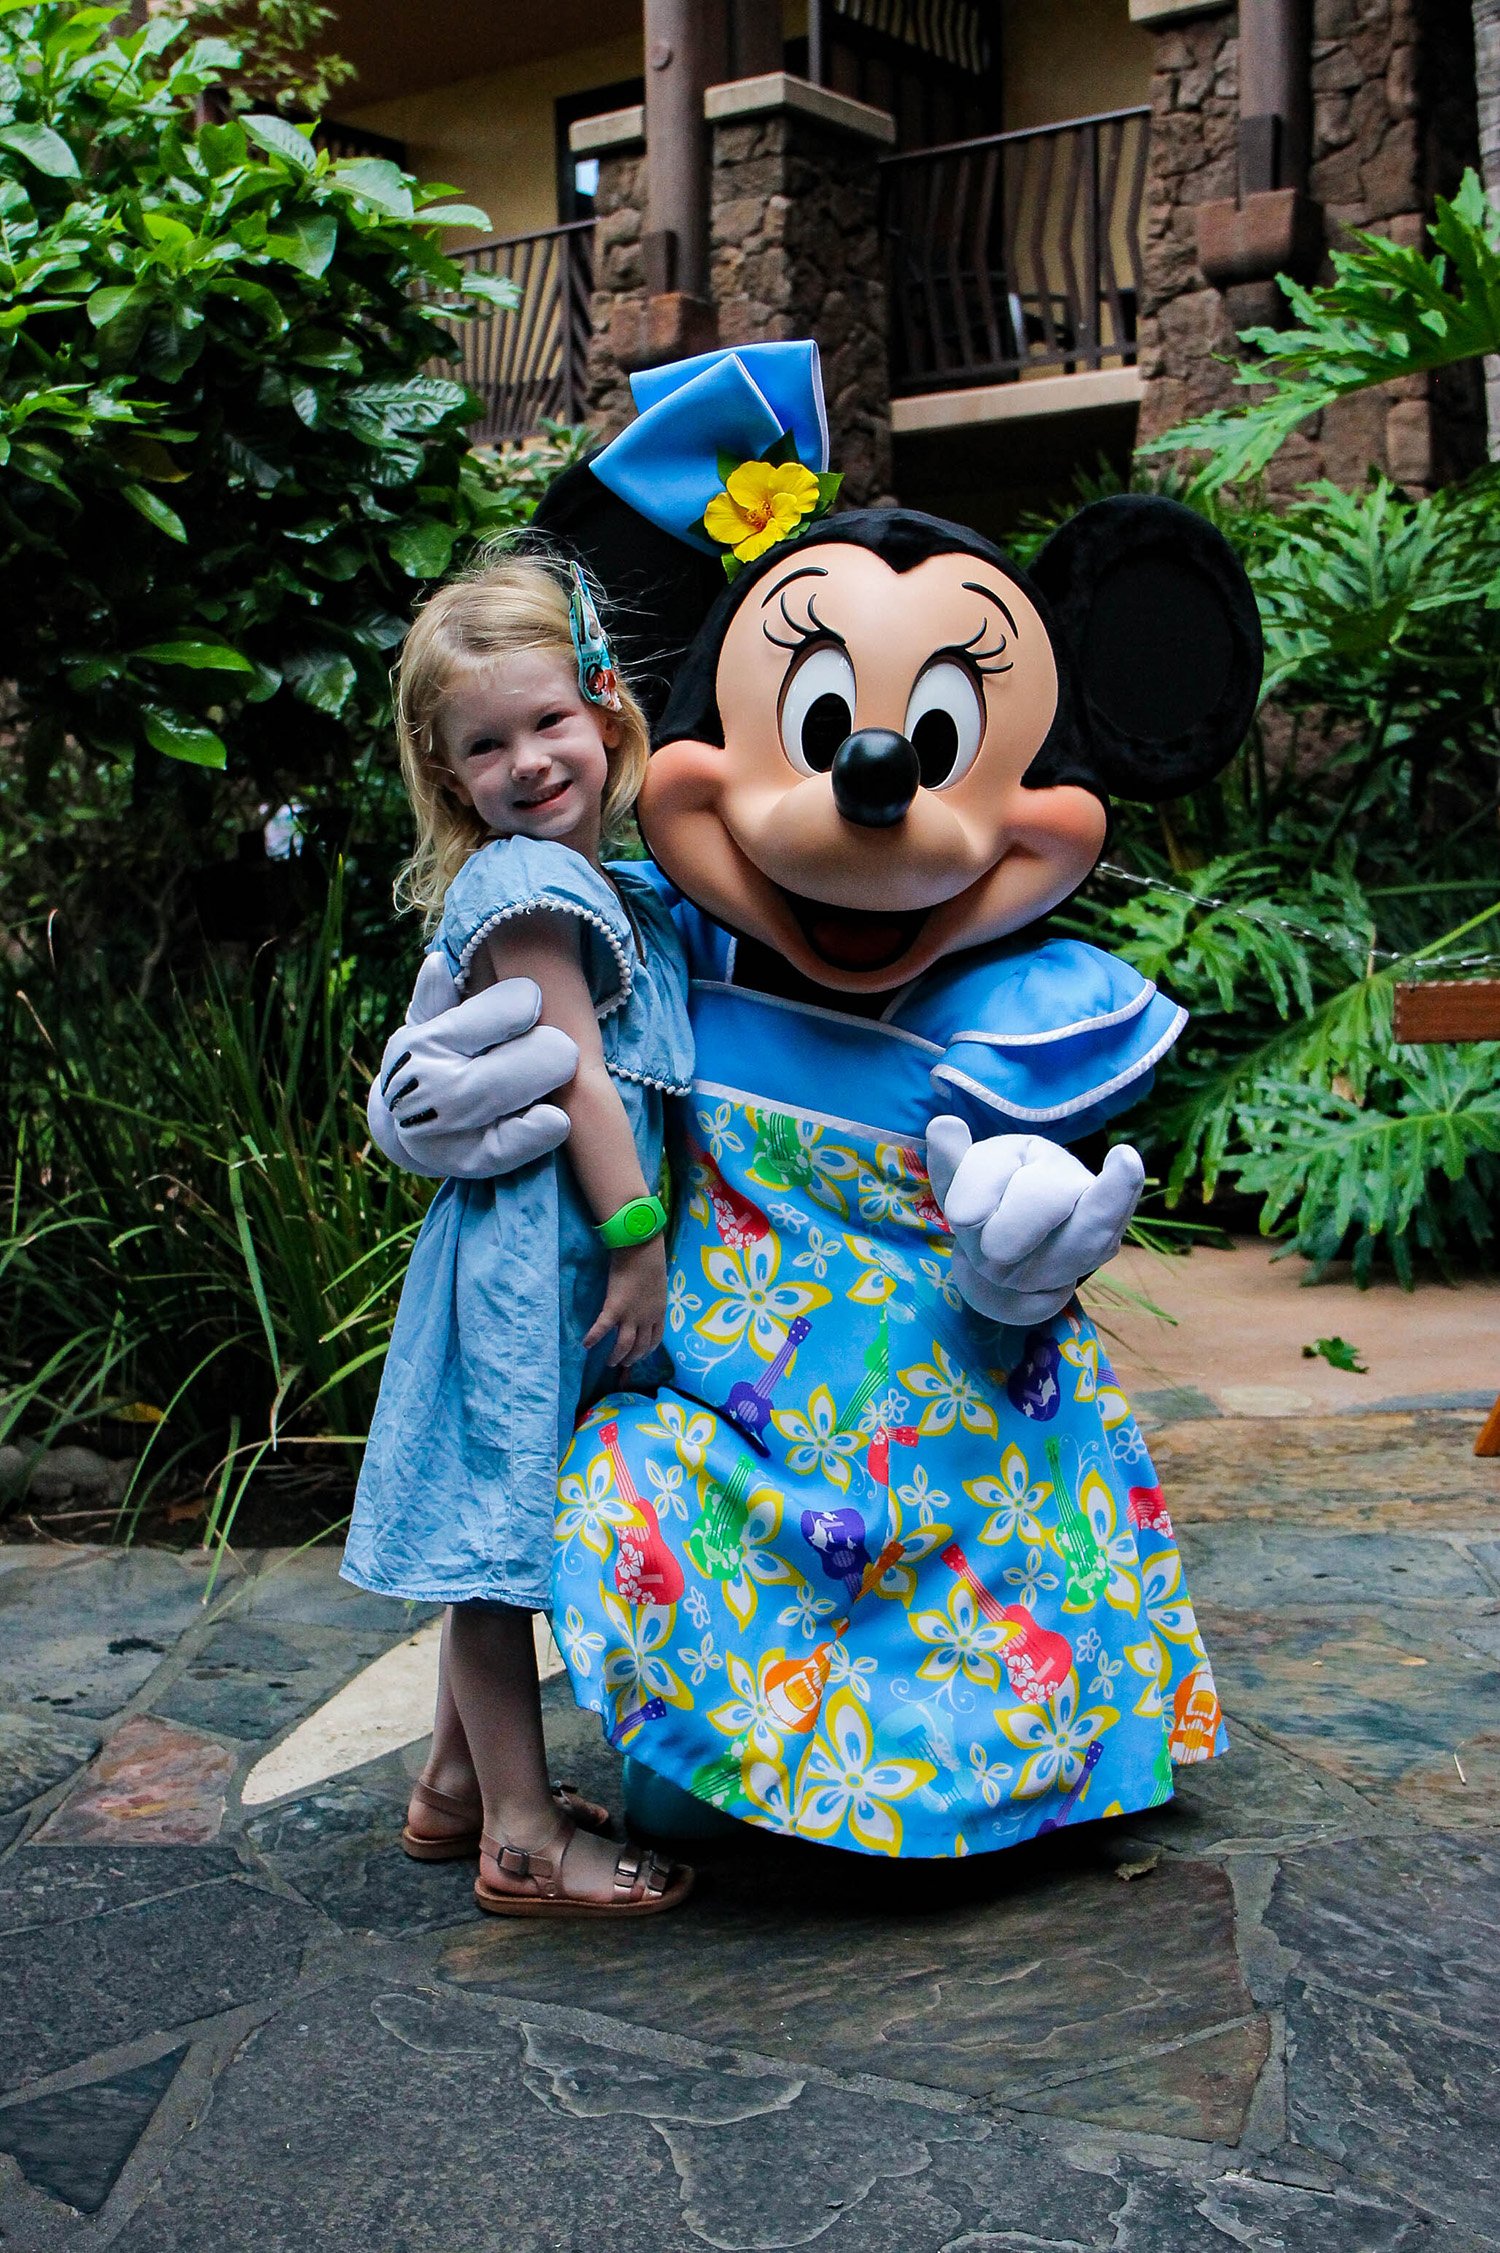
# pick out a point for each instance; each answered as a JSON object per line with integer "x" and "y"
{"x": 492, "y": 1675}
{"x": 450, "y": 1767}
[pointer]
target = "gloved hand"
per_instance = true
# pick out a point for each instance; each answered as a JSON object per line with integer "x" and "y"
{"x": 458, "y": 1092}
{"x": 1028, "y": 1221}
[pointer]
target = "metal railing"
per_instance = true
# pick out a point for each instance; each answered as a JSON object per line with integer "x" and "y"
{"x": 1015, "y": 252}
{"x": 531, "y": 363}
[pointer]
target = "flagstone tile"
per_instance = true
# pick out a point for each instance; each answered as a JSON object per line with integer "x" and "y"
{"x": 1409, "y": 1921}
{"x": 991, "y": 1982}
{"x": 1405, "y": 2109}
{"x": 251, "y": 1681}
{"x": 1413, "y": 1473}
{"x": 302, "y": 1588}
{"x": 398, "y": 2116}
{"x": 338, "y": 1847}
{"x": 1371, "y": 1696}
{"x": 74, "y": 2144}
{"x": 1200, "y": 2090}
{"x": 1255, "y": 1798}
{"x": 1172, "y": 2210}
{"x": 84, "y": 1638}
{"x": 37, "y": 1751}
{"x": 152, "y": 1785}
{"x": 1262, "y": 1566}
{"x": 103, "y": 1945}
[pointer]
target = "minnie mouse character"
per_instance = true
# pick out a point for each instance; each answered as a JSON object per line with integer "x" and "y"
{"x": 886, "y": 754}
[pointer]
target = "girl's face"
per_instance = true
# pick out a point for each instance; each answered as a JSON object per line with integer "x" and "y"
{"x": 526, "y": 750}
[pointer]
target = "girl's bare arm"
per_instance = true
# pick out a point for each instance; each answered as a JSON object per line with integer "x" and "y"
{"x": 601, "y": 1147}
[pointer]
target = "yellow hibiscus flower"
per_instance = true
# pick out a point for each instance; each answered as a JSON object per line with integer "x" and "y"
{"x": 761, "y": 504}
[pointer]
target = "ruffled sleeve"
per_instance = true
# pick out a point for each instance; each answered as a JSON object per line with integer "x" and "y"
{"x": 518, "y": 875}
{"x": 1055, "y": 1039}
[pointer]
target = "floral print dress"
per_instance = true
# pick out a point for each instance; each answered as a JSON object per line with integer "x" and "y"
{"x": 875, "y": 1570}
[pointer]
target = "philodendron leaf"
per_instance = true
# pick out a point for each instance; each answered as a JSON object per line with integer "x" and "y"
{"x": 155, "y": 510}
{"x": 323, "y": 678}
{"x": 377, "y": 182}
{"x": 179, "y": 738}
{"x": 422, "y": 549}
{"x": 454, "y": 215}
{"x": 199, "y": 656}
{"x": 491, "y": 289}
{"x": 308, "y": 242}
{"x": 41, "y": 147}
{"x": 279, "y": 138}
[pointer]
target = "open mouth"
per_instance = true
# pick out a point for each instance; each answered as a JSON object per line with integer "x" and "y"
{"x": 547, "y": 797}
{"x": 854, "y": 938}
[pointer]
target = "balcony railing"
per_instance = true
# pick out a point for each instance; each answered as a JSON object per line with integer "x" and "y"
{"x": 1016, "y": 252}
{"x": 531, "y": 363}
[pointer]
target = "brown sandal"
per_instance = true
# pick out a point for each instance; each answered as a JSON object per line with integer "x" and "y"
{"x": 584, "y": 1814}
{"x": 531, "y": 1884}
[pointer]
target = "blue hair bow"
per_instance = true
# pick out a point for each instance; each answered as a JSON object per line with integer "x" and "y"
{"x": 695, "y": 414}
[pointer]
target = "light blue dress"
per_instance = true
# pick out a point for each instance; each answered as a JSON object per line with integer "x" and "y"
{"x": 487, "y": 1370}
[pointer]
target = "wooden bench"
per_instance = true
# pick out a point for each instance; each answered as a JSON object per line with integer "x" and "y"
{"x": 1454, "y": 1009}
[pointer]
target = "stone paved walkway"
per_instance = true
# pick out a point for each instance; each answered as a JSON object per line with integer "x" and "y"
{"x": 1264, "y": 2016}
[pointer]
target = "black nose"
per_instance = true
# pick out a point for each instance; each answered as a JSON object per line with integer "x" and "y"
{"x": 875, "y": 777}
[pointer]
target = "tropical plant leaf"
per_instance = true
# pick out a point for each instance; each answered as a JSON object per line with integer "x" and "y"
{"x": 1389, "y": 311}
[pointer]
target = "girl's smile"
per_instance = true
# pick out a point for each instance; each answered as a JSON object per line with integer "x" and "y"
{"x": 526, "y": 751}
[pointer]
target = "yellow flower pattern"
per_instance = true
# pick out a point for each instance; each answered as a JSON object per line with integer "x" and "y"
{"x": 905, "y": 1595}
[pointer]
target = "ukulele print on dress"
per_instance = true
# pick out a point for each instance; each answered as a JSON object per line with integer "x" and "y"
{"x": 646, "y": 1572}
{"x": 748, "y": 1407}
{"x": 1036, "y": 1660}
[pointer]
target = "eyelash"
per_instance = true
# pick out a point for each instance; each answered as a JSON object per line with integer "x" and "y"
{"x": 813, "y": 629}
{"x": 968, "y": 654}
{"x": 803, "y": 631}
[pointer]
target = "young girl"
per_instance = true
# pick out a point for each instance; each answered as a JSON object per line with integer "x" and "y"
{"x": 520, "y": 749}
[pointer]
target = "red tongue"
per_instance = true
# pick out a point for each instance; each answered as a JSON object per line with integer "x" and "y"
{"x": 854, "y": 946}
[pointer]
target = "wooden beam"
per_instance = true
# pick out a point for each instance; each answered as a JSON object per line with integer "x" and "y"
{"x": 1449, "y": 1009}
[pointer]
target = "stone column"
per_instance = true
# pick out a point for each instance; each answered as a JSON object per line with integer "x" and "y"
{"x": 618, "y": 140}
{"x": 796, "y": 249}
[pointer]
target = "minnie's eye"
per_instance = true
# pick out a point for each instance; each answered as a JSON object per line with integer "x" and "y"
{"x": 817, "y": 708}
{"x": 944, "y": 724}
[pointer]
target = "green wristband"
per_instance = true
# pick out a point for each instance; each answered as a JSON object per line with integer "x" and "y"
{"x": 635, "y": 1223}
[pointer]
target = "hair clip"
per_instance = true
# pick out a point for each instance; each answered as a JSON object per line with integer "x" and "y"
{"x": 597, "y": 678}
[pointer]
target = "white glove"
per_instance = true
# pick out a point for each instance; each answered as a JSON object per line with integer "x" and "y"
{"x": 459, "y": 1087}
{"x": 1028, "y": 1221}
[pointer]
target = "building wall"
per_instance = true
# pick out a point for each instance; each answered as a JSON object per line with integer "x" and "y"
{"x": 1393, "y": 122}
{"x": 1070, "y": 59}
{"x": 493, "y": 137}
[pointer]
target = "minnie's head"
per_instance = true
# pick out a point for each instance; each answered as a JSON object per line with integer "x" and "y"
{"x": 885, "y": 743}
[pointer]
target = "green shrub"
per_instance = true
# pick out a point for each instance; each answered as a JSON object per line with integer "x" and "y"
{"x": 226, "y": 460}
{"x": 197, "y": 1228}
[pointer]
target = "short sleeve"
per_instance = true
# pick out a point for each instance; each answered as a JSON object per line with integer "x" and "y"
{"x": 517, "y": 876}
{"x": 1055, "y": 1039}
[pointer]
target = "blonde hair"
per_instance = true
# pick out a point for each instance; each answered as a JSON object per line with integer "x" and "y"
{"x": 511, "y": 603}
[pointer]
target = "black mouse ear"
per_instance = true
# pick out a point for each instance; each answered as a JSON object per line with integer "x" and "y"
{"x": 657, "y": 590}
{"x": 1162, "y": 620}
